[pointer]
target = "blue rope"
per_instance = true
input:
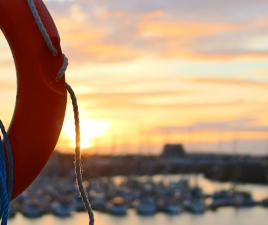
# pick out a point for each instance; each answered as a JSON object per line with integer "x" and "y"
{"x": 4, "y": 194}
{"x": 6, "y": 191}
{"x": 10, "y": 158}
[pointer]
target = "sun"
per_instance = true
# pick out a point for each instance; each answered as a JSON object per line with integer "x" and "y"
{"x": 89, "y": 130}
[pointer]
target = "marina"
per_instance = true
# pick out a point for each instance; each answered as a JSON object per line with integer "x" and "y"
{"x": 146, "y": 196}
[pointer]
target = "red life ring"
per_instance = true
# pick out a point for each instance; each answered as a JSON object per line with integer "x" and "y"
{"x": 41, "y": 100}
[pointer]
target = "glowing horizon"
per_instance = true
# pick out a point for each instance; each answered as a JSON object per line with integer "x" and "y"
{"x": 150, "y": 73}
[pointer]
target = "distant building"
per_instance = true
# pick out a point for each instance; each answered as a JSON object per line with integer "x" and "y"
{"x": 173, "y": 150}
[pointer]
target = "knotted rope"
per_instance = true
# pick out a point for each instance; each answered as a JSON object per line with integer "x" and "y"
{"x": 61, "y": 73}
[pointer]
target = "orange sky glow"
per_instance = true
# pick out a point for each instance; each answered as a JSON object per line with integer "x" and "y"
{"x": 152, "y": 72}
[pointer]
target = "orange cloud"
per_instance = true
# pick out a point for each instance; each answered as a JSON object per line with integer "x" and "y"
{"x": 178, "y": 29}
{"x": 174, "y": 50}
{"x": 231, "y": 82}
{"x": 7, "y": 85}
{"x": 110, "y": 52}
{"x": 153, "y": 15}
{"x": 105, "y": 14}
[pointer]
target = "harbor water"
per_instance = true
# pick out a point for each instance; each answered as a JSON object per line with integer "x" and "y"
{"x": 223, "y": 216}
{"x": 226, "y": 216}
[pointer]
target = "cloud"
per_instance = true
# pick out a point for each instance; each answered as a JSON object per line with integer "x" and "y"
{"x": 134, "y": 104}
{"x": 241, "y": 124}
{"x": 181, "y": 29}
{"x": 192, "y": 9}
{"x": 241, "y": 83}
{"x": 109, "y": 53}
{"x": 7, "y": 85}
{"x": 128, "y": 95}
{"x": 168, "y": 63}
{"x": 118, "y": 31}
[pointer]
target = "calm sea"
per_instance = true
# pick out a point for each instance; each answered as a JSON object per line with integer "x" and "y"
{"x": 227, "y": 216}
{"x": 223, "y": 216}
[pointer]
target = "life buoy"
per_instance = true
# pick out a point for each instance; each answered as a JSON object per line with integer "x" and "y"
{"x": 41, "y": 100}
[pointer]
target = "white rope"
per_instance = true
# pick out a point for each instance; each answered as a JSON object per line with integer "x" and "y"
{"x": 78, "y": 170}
{"x": 63, "y": 68}
{"x": 59, "y": 75}
{"x": 47, "y": 39}
{"x": 41, "y": 27}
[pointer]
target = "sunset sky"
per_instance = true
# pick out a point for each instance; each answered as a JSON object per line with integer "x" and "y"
{"x": 152, "y": 72}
